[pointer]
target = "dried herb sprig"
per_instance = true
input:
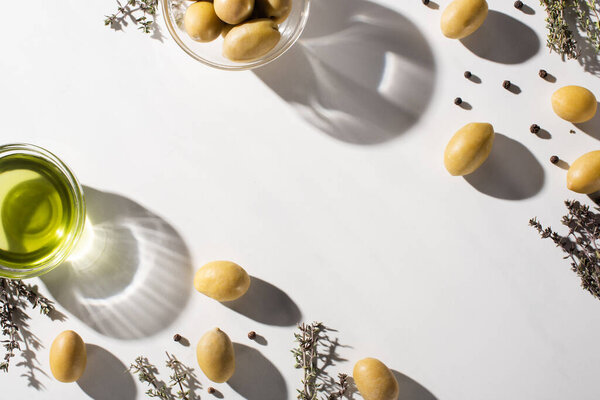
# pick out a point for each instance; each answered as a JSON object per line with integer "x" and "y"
{"x": 342, "y": 384}
{"x": 306, "y": 356}
{"x": 561, "y": 38}
{"x": 314, "y": 353}
{"x": 581, "y": 243}
{"x": 182, "y": 383}
{"x": 140, "y": 12}
{"x": 15, "y": 298}
{"x": 146, "y": 373}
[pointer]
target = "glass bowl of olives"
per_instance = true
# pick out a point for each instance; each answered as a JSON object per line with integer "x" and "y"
{"x": 235, "y": 35}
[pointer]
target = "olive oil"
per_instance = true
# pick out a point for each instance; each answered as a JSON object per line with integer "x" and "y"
{"x": 37, "y": 211}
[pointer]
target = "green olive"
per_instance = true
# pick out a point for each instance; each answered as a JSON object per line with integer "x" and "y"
{"x": 277, "y": 10}
{"x": 584, "y": 174}
{"x": 222, "y": 280}
{"x": 251, "y": 40}
{"x": 216, "y": 356}
{"x": 463, "y": 17}
{"x": 574, "y": 103}
{"x": 234, "y": 11}
{"x": 469, "y": 148}
{"x": 68, "y": 357}
{"x": 374, "y": 380}
{"x": 201, "y": 22}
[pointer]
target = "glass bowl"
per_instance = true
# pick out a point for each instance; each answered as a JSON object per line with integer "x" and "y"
{"x": 210, "y": 53}
{"x": 42, "y": 211}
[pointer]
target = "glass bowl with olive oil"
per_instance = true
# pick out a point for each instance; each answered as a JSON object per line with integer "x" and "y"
{"x": 42, "y": 211}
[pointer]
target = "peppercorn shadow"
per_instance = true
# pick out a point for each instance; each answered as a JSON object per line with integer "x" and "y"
{"x": 412, "y": 389}
{"x": 592, "y": 127}
{"x": 131, "y": 272}
{"x": 105, "y": 376}
{"x": 474, "y": 78}
{"x": 550, "y": 78}
{"x": 433, "y": 5}
{"x": 511, "y": 172}
{"x": 503, "y": 39}
{"x": 514, "y": 88}
{"x": 185, "y": 342}
{"x": 563, "y": 165}
{"x": 465, "y": 105}
{"x": 527, "y": 10}
{"x": 255, "y": 377}
{"x": 260, "y": 339}
{"x": 266, "y": 304}
{"x": 361, "y": 73}
{"x": 543, "y": 134}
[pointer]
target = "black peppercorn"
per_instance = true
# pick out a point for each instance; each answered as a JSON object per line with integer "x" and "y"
{"x": 543, "y": 73}
{"x": 425, "y": 2}
{"x": 535, "y": 128}
{"x": 468, "y": 74}
{"x": 554, "y": 159}
{"x": 211, "y": 390}
{"x": 177, "y": 337}
{"x": 518, "y": 4}
{"x": 251, "y": 335}
{"x": 506, "y": 84}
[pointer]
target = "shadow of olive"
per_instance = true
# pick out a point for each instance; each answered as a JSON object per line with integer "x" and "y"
{"x": 592, "y": 127}
{"x": 411, "y": 389}
{"x": 266, "y": 304}
{"x": 255, "y": 377}
{"x": 106, "y": 377}
{"x": 511, "y": 171}
{"x": 503, "y": 39}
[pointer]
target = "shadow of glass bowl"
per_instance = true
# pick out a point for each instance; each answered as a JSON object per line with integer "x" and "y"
{"x": 362, "y": 73}
{"x": 130, "y": 276}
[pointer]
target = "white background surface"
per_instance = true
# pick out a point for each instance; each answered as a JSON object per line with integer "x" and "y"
{"x": 441, "y": 279}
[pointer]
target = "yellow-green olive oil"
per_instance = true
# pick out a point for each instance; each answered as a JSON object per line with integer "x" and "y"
{"x": 37, "y": 210}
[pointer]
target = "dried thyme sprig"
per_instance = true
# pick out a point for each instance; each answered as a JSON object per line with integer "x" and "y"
{"x": 140, "y": 12}
{"x": 342, "y": 384}
{"x": 146, "y": 373}
{"x": 15, "y": 298}
{"x": 581, "y": 243}
{"x": 314, "y": 353}
{"x": 560, "y": 37}
{"x": 182, "y": 379}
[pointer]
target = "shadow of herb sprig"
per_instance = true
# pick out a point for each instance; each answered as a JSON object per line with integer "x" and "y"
{"x": 315, "y": 352}
{"x": 182, "y": 379}
{"x": 15, "y": 299}
{"x": 581, "y": 243}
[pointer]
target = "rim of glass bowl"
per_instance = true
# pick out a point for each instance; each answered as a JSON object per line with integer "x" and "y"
{"x": 167, "y": 14}
{"x": 71, "y": 242}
